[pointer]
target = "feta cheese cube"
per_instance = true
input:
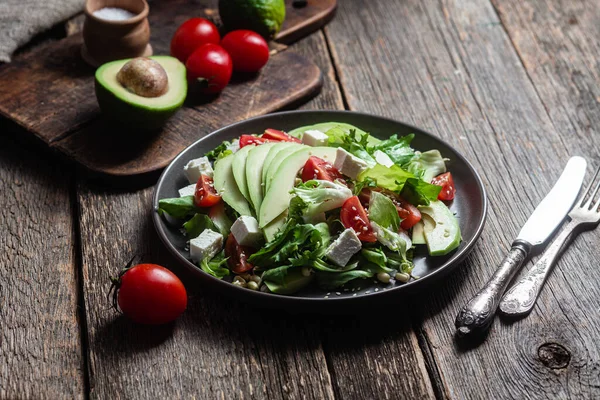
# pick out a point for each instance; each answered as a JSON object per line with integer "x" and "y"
{"x": 383, "y": 158}
{"x": 343, "y": 248}
{"x": 188, "y": 190}
{"x": 246, "y": 232}
{"x": 349, "y": 164}
{"x": 194, "y": 168}
{"x": 314, "y": 138}
{"x": 207, "y": 245}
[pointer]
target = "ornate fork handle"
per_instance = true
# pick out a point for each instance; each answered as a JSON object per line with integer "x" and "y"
{"x": 519, "y": 300}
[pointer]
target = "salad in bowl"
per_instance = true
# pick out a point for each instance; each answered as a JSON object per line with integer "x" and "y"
{"x": 326, "y": 205}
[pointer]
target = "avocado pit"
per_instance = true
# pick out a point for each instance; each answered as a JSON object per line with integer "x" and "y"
{"x": 144, "y": 77}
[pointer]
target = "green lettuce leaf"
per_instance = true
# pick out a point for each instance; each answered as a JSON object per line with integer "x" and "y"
{"x": 427, "y": 165}
{"x": 333, "y": 280}
{"x": 216, "y": 266}
{"x": 195, "y": 226}
{"x": 398, "y": 149}
{"x": 398, "y": 242}
{"x": 220, "y": 151}
{"x": 177, "y": 207}
{"x": 392, "y": 178}
{"x": 383, "y": 211}
{"x": 320, "y": 196}
{"x": 352, "y": 142}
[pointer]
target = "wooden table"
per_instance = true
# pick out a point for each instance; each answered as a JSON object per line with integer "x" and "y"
{"x": 513, "y": 85}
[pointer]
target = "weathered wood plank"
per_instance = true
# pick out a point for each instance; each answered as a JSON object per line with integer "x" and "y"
{"x": 40, "y": 342}
{"x": 218, "y": 348}
{"x": 449, "y": 67}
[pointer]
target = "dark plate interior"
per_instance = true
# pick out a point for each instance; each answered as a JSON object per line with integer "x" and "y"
{"x": 470, "y": 207}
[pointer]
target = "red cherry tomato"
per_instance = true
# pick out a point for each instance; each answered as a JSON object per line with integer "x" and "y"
{"x": 408, "y": 213}
{"x": 150, "y": 294}
{"x": 447, "y": 183}
{"x": 245, "y": 140}
{"x": 354, "y": 216}
{"x": 317, "y": 168}
{"x": 248, "y": 50}
{"x": 210, "y": 67}
{"x": 192, "y": 34}
{"x": 280, "y": 136}
{"x": 206, "y": 194}
{"x": 237, "y": 255}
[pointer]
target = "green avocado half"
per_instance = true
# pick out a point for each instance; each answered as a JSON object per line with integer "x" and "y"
{"x": 135, "y": 111}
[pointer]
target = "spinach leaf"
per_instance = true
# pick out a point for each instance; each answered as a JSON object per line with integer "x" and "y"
{"x": 177, "y": 207}
{"x": 195, "y": 226}
{"x": 383, "y": 211}
{"x": 419, "y": 193}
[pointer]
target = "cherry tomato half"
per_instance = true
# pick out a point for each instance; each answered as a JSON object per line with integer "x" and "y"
{"x": 150, "y": 294}
{"x": 280, "y": 136}
{"x": 447, "y": 183}
{"x": 206, "y": 194}
{"x": 246, "y": 140}
{"x": 354, "y": 216}
{"x": 192, "y": 34}
{"x": 408, "y": 213}
{"x": 209, "y": 66}
{"x": 317, "y": 168}
{"x": 237, "y": 255}
{"x": 248, "y": 50}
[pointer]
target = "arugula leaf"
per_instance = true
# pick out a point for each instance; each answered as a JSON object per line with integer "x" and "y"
{"x": 220, "y": 151}
{"x": 320, "y": 196}
{"x": 398, "y": 149}
{"x": 177, "y": 207}
{"x": 420, "y": 193}
{"x": 383, "y": 211}
{"x": 199, "y": 222}
{"x": 352, "y": 142}
{"x": 333, "y": 280}
{"x": 391, "y": 178}
{"x": 427, "y": 165}
{"x": 215, "y": 267}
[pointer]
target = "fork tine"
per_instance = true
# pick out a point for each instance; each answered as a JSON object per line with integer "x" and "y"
{"x": 588, "y": 203}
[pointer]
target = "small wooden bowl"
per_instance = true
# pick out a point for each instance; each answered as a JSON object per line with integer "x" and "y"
{"x": 106, "y": 40}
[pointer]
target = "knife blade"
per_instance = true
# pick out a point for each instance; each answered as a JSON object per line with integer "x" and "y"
{"x": 477, "y": 315}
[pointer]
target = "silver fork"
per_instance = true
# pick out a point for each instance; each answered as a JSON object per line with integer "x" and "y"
{"x": 520, "y": 299}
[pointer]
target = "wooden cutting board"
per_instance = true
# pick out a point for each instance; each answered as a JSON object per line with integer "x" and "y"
{"x": 50, "y": 92}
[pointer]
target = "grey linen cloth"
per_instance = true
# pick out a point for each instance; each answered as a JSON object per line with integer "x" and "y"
{"x": 20, "y": 20}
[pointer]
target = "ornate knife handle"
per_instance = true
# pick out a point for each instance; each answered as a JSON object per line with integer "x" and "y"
{"x": 520, "y": 299}
{"x": 477, "y": 315}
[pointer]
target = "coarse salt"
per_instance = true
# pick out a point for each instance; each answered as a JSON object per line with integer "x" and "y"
{"x": 113, "y": 14}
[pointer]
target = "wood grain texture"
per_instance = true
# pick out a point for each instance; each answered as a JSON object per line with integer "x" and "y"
{"x": 49, "y": 91}
{"x": 449, "y": 67}
{"x": 303, "y": 18}
{"x": 218, "y": 348}
{"x": 40, "y": 346}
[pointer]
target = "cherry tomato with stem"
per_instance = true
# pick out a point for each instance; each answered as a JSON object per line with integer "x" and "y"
{"x": 447, "y": 183}
{"x": 248, "y": 50}
{"x": 280, "y": 136}
{"x": 192, "y": 34}
{"x": 206, "y": 195}
{"x": 148, "y": 294}
{"x": 317, "y": 168}
{"x": 237, "y": 255}
{"x": 354, "y": 216}
{"x": 209, "y": 68}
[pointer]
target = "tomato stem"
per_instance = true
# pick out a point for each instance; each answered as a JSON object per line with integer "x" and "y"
{"x": 116, "y": 284}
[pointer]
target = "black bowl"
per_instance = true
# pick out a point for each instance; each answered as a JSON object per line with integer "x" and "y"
{"x": 470, "y": 207}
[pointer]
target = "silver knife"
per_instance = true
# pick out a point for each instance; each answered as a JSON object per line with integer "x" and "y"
{"x": 477, "y": 315}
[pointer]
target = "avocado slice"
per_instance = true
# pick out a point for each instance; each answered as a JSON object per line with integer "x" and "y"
{"x": 293, "y": 282}
{"x": 270, "y": 156}
{"x": 239, "y": 170}
{"x": 325, "y": 126}
{"x": 254, "y": 166}
{"x": 277, "y": 160}
{"x": 278, "y": 196}
{"x": 441, "y": 229}
{"x": 418, "y": 233}
{"x": 128, "y": 108}
{"x": 224, "y": 182}
{"x": 274, "y": 226}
